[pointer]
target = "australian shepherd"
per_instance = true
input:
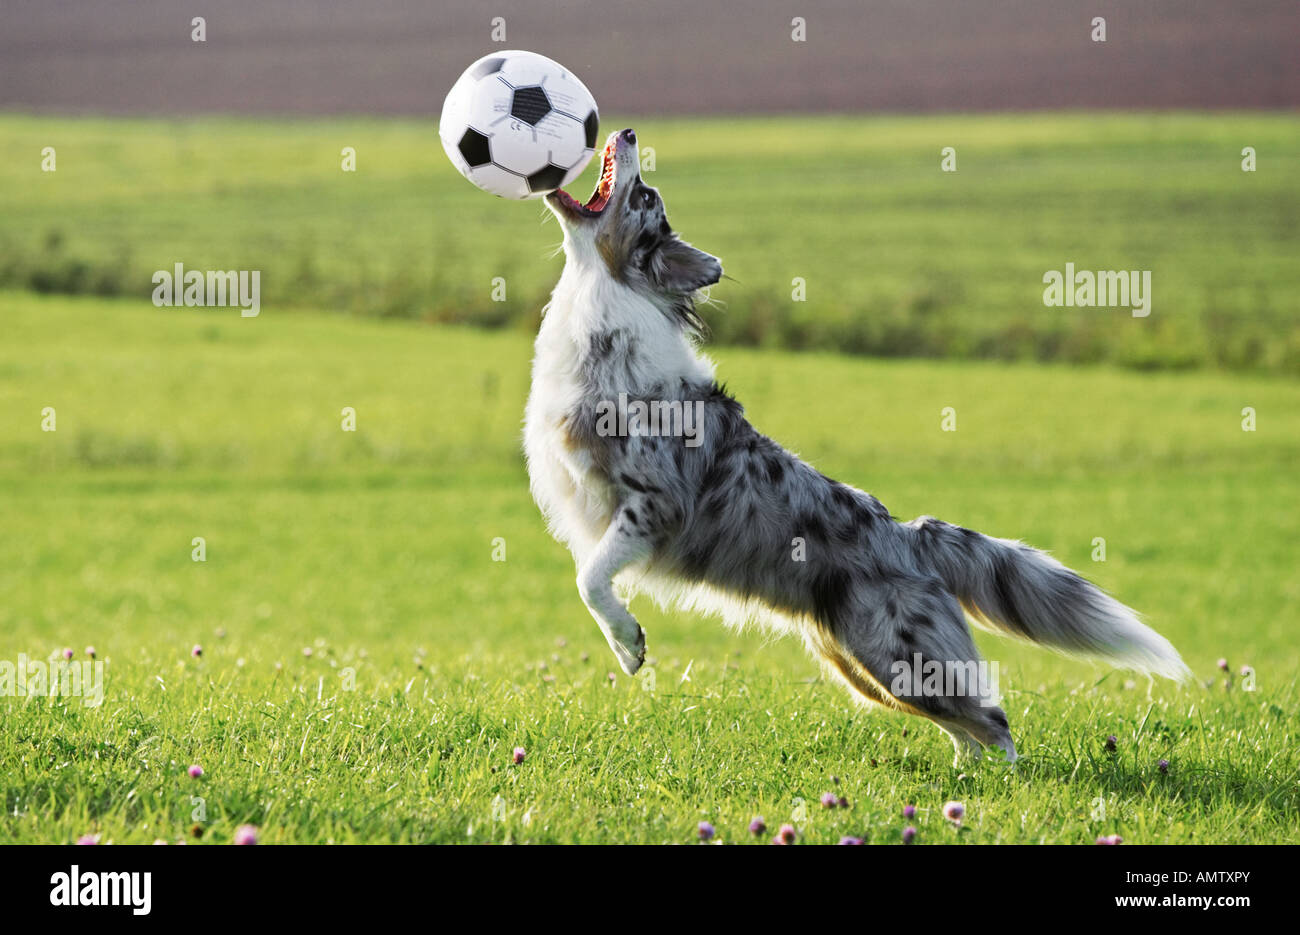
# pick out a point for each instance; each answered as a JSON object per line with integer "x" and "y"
{"x": 646, "y": 468}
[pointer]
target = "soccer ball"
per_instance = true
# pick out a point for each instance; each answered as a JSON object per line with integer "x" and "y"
{"x": 519, "y": 125}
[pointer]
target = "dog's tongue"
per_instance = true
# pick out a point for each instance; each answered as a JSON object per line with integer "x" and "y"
{"x": 605, "y": 184}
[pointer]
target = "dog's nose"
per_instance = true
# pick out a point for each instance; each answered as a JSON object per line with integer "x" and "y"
{"x": 629, "y": 135}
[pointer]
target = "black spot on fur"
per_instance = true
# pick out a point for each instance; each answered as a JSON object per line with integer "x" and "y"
{"x": 719, "y": 396}
{"x": 602, "y": 344}
{"x": 630, "y": 514}
{"x": 775, "y": 468}
{"x": 811, "y": 525}
{"x": 695, "y": 561}
{"x": 830, "y": 593}
{"x": 717, "y": 478}
{"x": 863, "y": 515}
{"x": 647, "y": 242}
{"x": 1004, "y": 582}
{"x": 632, "y": 482}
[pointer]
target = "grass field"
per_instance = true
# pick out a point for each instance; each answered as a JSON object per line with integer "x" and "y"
{"x": 430, "y": 662}
{"x": 898, "y": 258}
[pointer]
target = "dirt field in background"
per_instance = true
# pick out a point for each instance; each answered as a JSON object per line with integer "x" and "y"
{"x": 678, "y": 56}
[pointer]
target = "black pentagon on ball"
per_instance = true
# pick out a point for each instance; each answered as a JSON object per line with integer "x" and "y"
{"x": 547, "y": 179}
{"x": 592, "y": 126}
{"x": 529, "y": 105}
{"x": 474, "y": 147}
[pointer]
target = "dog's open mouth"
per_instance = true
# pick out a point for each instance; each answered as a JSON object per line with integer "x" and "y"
{"x": 604, "y": 187}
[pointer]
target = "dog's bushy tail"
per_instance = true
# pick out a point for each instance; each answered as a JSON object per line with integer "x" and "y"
{"x": 1013, "y": 589}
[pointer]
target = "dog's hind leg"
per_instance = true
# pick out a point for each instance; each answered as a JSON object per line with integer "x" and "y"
{"x": 625, "y": 542}
{"x": 842, "y": 664}
{"x": 865, "y": 687}
{"x": 910, "y": 637}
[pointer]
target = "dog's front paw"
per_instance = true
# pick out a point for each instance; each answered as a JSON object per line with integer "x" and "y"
{"x": 631, "y": 658}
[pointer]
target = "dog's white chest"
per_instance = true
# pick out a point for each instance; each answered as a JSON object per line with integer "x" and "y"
{"x": 574, "y": 496}
{"x": 573, "y": 491}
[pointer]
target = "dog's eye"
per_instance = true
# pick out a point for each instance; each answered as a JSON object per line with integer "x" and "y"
{"x": 647, "y": 198}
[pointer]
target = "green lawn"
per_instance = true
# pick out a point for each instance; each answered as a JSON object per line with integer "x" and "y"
{"x": 374, "y": 549}
{"x": 898, "y": 258}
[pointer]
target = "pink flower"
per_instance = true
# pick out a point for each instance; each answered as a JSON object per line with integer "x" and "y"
{"x": 90, "y": 651}
{"x": 785, "y": 836}
{"x": 246, "y": 834}
{"x": 705, "y": 831}
{"x": 1223, "y": 664}
{"x": 909, "y": 811}
{"x": 88, "y": 839}
{"x": 828, "y": 800}
{"x": 1110, "y": 839}
{"x": 909, "y": 834}
{"x": 1163, "y": 766}
{"x": 195, "y": 771}
{"x": 850, "y": 841}
{"x": 197, "y": 651}
{"x": 1111, "y": 743}
{"x": 757, "y": 826}
{"x": 954, "y": 811}
{"x": 67, "y": 652}
{"x": 519, "y": 755}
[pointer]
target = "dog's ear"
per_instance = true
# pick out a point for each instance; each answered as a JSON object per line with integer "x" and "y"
{"x": 679, "y": 268}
